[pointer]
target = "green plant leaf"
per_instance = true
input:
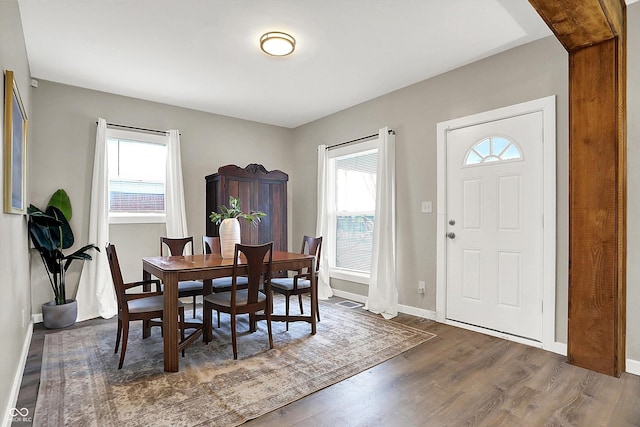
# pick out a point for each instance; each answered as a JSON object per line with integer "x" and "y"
{"x": 62, "y": 233}
{"x": 60, "y": 200}
{"x": 234, "y": 211}
{"x": 50, "y": 232}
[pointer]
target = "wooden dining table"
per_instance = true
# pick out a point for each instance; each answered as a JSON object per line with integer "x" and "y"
{"x": 173, "y": 269}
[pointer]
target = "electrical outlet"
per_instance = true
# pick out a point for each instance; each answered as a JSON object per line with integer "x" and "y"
{"x": 422, "y": 287}
{"x": 427, "y": 207}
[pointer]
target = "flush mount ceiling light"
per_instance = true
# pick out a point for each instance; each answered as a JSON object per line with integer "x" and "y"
{"x": 275, "y": 43}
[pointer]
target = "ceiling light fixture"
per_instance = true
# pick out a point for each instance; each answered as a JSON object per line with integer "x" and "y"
{"x": 275, "y": 43}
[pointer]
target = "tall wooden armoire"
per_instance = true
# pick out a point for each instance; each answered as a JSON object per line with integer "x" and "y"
{"x": 258, "y": 190}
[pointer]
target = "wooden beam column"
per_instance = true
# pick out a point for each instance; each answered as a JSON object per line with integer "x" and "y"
{"x": 594, "y": 34}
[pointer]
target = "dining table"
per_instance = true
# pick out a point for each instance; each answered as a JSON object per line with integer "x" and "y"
{"x": 173, "y": 269}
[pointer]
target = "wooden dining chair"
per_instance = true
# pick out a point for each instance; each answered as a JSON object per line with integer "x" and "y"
{"x": 211, "y": 245}
{"x": 300, "y": 283}
{"x": 144, "y": 306}
{"x": 251, "y": 300}
{"x": 186, "y": 288}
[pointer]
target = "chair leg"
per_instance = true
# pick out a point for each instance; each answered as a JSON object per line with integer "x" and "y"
{"x": 119, "y": 335}
{"x": 206, "y": 335}
{"x": 125, "y": 338}
{"x": 252, "y": 322}
{"x": 286, "y": 311}
{"x": 146, "y": 329}
{"x": 268, "y": 316}
{"x": 300, "y": 301}
{"x": 233, "y": 336}
{"x": 218, "y": 318}
{"x": 317, "y": 309}
{"x": 194, "y": 306}
{"x": 181, "y": 325}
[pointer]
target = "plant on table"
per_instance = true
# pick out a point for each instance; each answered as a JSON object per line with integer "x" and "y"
{"x": 229, "y": 224}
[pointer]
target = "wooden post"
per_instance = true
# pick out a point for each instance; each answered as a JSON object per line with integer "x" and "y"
{"x": 594, "y": 34}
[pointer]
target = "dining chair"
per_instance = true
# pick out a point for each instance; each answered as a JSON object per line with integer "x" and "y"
{"x": 211, "y": 245}
{"x": 186, "y": 288}
{"x": 144, "y": 306}
{"x": 259, "y": 264}
{"x": 300, "y": 283}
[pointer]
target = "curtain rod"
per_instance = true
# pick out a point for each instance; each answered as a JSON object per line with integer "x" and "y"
{"x": 136, "y": 128}
{"x": 329, "y": 147}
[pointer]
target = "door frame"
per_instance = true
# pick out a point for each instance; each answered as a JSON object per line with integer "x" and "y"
{"x": 547, "y": 106}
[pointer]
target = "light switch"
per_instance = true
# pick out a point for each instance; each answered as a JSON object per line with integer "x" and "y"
{"x": 427, "y": 207}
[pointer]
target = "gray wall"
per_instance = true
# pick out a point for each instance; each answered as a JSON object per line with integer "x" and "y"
{"x": 15, "y": 304}
{"x": 64, "y": 128}
{"x": 532, "y": 71}
{"x": 528, "y": 72}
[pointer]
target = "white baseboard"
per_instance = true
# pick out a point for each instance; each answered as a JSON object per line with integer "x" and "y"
{"x": 36, "y": 318}
{"x": 349, "y": 295}
{"x": 17, "y": 379}
{"x": 633, "y": 366}
{"x": 418, "y": 312}
{"x": 557, "y": 347}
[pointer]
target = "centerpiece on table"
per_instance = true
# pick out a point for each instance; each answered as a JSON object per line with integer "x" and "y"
{"x": 227, "y": 220}
{"x": 50, "y": 233}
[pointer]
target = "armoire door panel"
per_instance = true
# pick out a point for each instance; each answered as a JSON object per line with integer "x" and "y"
{"x": 258, "y": 190}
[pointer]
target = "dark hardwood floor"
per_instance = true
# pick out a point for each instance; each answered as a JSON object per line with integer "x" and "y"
{"x": 459, "y": 378}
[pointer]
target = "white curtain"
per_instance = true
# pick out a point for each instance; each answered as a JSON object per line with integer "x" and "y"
{"x": 322, "y": 225}
{"x": 383, "y": 292}
{"x": 174, "y": 189}
{"x": 96, "y": 296}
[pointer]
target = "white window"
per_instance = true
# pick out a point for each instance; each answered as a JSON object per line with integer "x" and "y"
{"x": 493, "y": 149}
{"x": 137, "y": 176}
{"x": 352, "y": 193}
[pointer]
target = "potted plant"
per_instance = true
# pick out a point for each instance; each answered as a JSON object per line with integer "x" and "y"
{"x": 50, "y": 232}
{"x": 229, "y": 230}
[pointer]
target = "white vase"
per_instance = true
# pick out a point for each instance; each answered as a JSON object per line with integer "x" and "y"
{"x": 229, "y": 236}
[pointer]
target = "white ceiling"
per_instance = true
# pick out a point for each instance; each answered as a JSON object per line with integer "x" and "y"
{"x": 204, "y": 54}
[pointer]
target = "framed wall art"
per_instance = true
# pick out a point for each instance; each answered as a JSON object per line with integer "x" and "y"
{"x": 15, "y": 148}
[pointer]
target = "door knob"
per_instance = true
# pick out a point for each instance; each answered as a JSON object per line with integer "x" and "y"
{"x": 451, "y": 235}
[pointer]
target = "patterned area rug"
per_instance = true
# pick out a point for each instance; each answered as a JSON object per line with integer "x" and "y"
{"x": 81, "y": 385}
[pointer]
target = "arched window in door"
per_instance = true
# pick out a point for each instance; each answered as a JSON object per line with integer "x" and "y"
{"x": 492, "y": 149}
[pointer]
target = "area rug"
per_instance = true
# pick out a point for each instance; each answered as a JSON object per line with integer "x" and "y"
{"x": 81, "y": 385}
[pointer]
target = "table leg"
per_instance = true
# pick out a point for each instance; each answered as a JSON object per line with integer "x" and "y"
{"x": 170, "y": 322}
{"x": 146, "y": 276}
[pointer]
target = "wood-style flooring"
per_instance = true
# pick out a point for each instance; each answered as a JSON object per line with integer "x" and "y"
{"x": 459, "y": 378}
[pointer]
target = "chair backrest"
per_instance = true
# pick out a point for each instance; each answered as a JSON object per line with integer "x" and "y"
{"x": 312, "y": 246}
{"x": 176, "y": 246}
{"x": 211, "y": 245}
{"x": 116, "y": 274}
{"x": 256, "y": 268}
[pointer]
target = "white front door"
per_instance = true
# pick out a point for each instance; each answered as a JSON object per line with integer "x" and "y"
{"x": 494, "y": 225}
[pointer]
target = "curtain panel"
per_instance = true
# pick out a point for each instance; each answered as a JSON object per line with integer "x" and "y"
{"x": 96, "y": 296}
{"x": 322, "y": 224}
{"x": 383, "y": 291}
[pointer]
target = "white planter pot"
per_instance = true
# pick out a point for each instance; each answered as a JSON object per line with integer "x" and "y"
{"x": 229, "y": 236}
